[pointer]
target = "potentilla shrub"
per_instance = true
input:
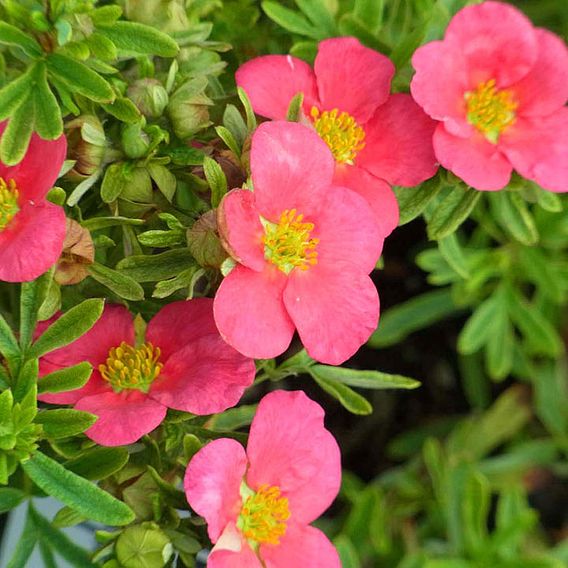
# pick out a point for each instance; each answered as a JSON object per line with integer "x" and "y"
{"x": 190, "y": 214}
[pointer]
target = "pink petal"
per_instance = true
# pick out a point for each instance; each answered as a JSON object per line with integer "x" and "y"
{"x": 250, "y": 314}
{"x": 37, "y": 172}
{"x": 545, "y": 88}
{"x": 32, "y": 242}
{"x": 272, "y": 81}
{"x": 241, "y": 229}
{"x": 301, "y": 546}
{"x": 335, "y": 309}
{"x": 290, "y": 448}
{"x": 352, "y": 77}
{"x": 377, "y": 193}
{"x": 440, "y": 83}
{"x": 122, "y": 418}
{"x": 180, "y": 323}
{"x": 348, "y": 231}
{"x": 497, "y": 42}
{"x": 239, "y": 555}
{"x": 475, "y": 160}
{"x": 291, "y": 168}
{"x": 212, "y": 483}
{"x": 398, "y": 143}
{"x": 538, "y": 149}
{"x": 205, "y": 377}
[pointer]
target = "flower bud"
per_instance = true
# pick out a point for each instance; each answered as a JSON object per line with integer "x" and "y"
{"x": 149, "y": 96}
{"x": 166, "y": 15}
{"x": 78, "y": 253}
{"x": 135, "y": 141}
{"x": 86, "y": 145}
{"x": 203, "y": 241}
{"x": 143, "y": 545}
{"x": 188, "y": 108}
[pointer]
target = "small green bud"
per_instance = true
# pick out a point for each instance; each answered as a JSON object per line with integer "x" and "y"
{"x": 135, "y": 141}
{"x": 188, "y": 108}
{"x": 166, "y": 15}
{"x": 143, "y": 546}
{"x": 149, "y": 96}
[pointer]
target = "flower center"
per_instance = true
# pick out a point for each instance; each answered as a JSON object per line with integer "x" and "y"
{"x": 9, "y": 195}
{"x": 490, "y": 110}
{"x": 287, "y": 244}
{"x": 264, "y": 515}
{"x": 340, "y": 132}
{"x": 128, "y": 367}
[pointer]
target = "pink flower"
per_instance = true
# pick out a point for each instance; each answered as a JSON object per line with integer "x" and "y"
{"x": 259, "y": 505}
{"x": 32, "y": 230}
{"x": 498, "y": 87}
{"x": 184, "y": 364}
{"x": 375, "y": 137}
{"x": 305, "y": 248}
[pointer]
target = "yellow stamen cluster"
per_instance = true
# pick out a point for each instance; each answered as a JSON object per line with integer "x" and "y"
{"x": 264, "y": 515}
{"x": 9, "y": 196}
{"x": 340, "y": 132}
{"x": 288, "y": 244}
{"x": 491, "y": 110}
{"x": 128, "y": 367}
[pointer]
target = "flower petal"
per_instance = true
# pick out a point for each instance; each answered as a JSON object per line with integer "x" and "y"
{"x": 271, "y": 81}
{"x": 475, "y": 160}
{"x": 291, "y": 168}
{"x": 205, "y": 377}
{"x": 347, "y": 229}
{"x": 32, "y": 242}
{"x": 40, "y": 167}
{"x": 352, "y": 77}
{"x": 545, "y": 88}
{"x": 301, "y": 546}
{"x": 376, "y": 192}
{"x": 398, "y": 143}
{"x": 179, "y": 324}
{"x": 250, "y": 314}
{"x": 240, "y": 228}
{"x": 290, "y": 448}
{"x": 335, "y": 309}
{"x": 538, "y": 149}
{"x": 497, "y": 42}
{"x": 122, "y": 418}
{"x": 212, "y": 483}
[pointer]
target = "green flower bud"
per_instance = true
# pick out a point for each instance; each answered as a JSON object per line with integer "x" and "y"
{"x": 143, "y": 546}
{"x": 188, "y": 108}
{"x": 149, "y": 96}
{"x": 135, "y": 141}
{"x": 86, "y": 144}
{"x": 166, "y": 15}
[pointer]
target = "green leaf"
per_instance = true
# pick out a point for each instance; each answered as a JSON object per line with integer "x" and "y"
{"x": 226, "y": 135}
{"x": 549, "y": 201}
{"x": 48, "y": 121}
{"x": 295, "y": 107}
{"x": 79, "y": 78}
{"x": 478, "y": 328}
{"x": 96, "y": 223}
{"x": 453, "y": 254}
{"x": 98, "y": 463}
{"x": 351, "y": 25}
{"x": 10, "y": 35}
{"x": 18, "y": 133}
{"x": 500, "y": 343}
{"x": 123, "y": 109}
{"x": 551, "y": 397}
{"x": 67, "y": 379}
{"x": 364, "y": 379}
{"x": 27, "y": 378}
{"x": 76, "y": 492}
{"x": 234, "y": 122}
{"x": 64, "y": 422}
{"x": 452, "y": 211}
{"x": 413, "y": 200}
{"x": 514, "y": 217}
{"x": 10, "y": 498}
{"x": 216, "y": 180}
{"x": 67, "y": 517}
{"x": 121, "y": 284}
{"x": 164, "y": 179}
{"x": 25, "y": 546}
{"x": 370, "y": 12}
{"x": 475, "y": 508}
{"x": 319, "y": 15}
{"x": 419, "y": 312}
{"x": 138, "y": 38}
{"x": 251, "y": 118}
{"x": 351, "y": 400}
{"x": 69, "y": 327}
{"x": 233, "y": 418}
{"x": 290, "y": 20}
{"x": 62, "y": 544}
{"x": 153, "y": 268}
{"x": 114, "y": 182}
{"x": 9, "y": 347}
{"x": 32, "y": 296}
{"x": 15, "y": 93}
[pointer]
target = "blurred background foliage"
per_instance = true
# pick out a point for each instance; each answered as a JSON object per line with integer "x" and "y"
{"x": 467, "y": 471}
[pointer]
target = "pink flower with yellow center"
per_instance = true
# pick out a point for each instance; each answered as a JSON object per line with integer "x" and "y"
{"x": 304, "y": 248}
{"x": 376, "y": 138}
{"x": 498, "y": 86}
{"x": 32, "y": 230}
{"x": 259, "y": 504}
{"x": 183, "y": 364}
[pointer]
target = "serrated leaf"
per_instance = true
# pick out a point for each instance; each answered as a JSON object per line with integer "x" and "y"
{"x": 133, "y": 37}
{"x": 69, "y": 327}
{"x": 291, "y": 21}
{"x": 67, "y": 379}
{"x": 80, "y": 494}
{"x": 216, "y": 180}
{"x": 118, "y": 282}
{"x": 452, "y": 211}
{"x": 64, "y": 422}
{"x": 10, "y": 35}
{"x": 364, "y": 379}
{"x": 351, "y": 400}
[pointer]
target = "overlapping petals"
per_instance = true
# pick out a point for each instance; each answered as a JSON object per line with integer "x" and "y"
{"x": 305, "y": 469}
{"x": 498, "y": 86}
{"x": 198, "y": 373}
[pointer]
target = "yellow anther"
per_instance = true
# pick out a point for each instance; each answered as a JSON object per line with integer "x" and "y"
{"x": 340, "y": 132}
{"x": 491, "y": 110}
{"x": 288, "y": 244}
{"x": 128, "y": 367}
{"x": 9, "y": 196}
